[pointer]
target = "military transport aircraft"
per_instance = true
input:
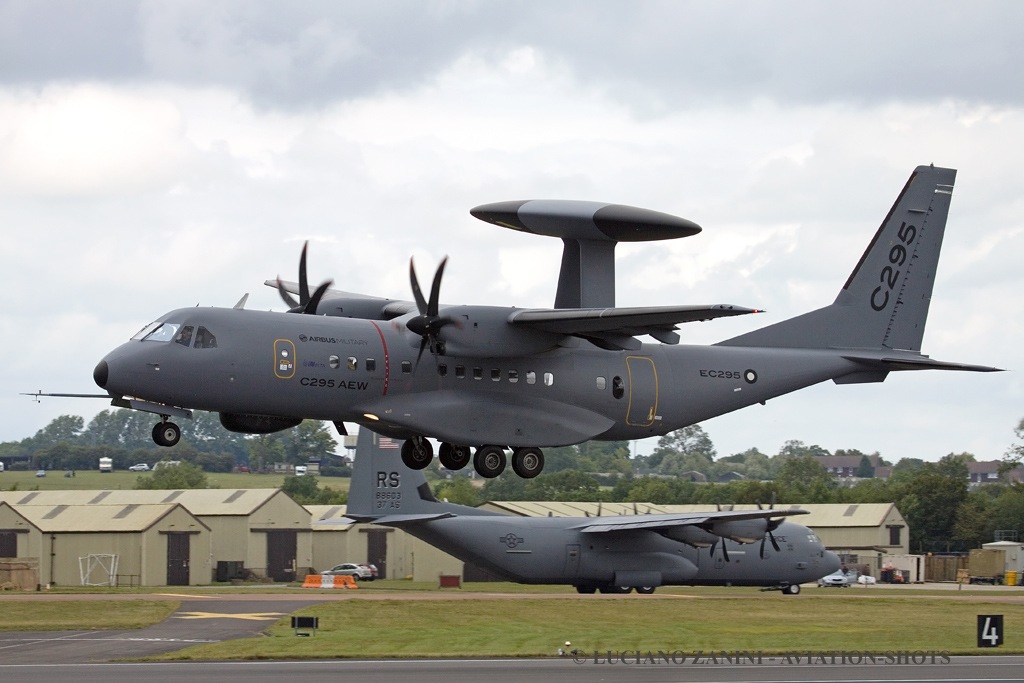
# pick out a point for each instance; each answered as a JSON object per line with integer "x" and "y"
{"x": 611, "y": 554}
{"x": 503, "y": 378}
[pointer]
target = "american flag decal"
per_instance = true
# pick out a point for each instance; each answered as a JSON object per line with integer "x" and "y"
{"x": 386, "y": 442}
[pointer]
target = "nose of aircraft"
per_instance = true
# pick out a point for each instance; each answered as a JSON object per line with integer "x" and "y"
{"x": 832, "y": 562}
{"x": 100, "y": 374}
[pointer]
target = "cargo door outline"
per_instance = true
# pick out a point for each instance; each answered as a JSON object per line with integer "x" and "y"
{"x": 284, "y": 358}
{"x": 643, "y": 391}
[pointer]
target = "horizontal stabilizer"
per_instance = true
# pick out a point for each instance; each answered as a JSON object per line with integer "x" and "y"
{"x": 916, "y": 363}
{"x": 668, "y": 521}
{"x": 391, "y": 520}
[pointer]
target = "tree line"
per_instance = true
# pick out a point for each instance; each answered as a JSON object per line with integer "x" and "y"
{"x": 943, "y": 513}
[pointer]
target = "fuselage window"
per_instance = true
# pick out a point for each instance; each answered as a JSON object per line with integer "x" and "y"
{"x": 460, "y": 371}
{"x": 618, "y": 388}
{"x": 478, "y": 373}
{"x": 159, "y": 332}
{"x": 513, "y": 376}
{"x": 531, "y": 377}
{"x": 205, "y": 339}
{"x": 352, "y": 363}
{"x": 334, "y": 362}
{"x": 549, "y": 379}
{"x": 406, "y": 367}
{"x": 496, "y": 375}
{"x": 371, "y": 364}
{"x": 600, "y": 383}
{"x": 442, "y": 369}
{"x": 185, "y": 336}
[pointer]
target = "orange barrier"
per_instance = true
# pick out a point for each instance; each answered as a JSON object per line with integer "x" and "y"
{"x": 321, "y": 581}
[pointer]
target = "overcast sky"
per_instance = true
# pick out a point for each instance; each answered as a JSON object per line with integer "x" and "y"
{"x": 155, "y": 155}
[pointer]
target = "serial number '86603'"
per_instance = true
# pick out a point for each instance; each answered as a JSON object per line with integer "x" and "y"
{"x": 890, "y": 274}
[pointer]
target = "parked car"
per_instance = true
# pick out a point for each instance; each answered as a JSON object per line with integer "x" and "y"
{"x": 40, "y": 473}
{"x": 140, "y": 467}
{"x": 360, "y": 572}
{"x": 838, "y": 579}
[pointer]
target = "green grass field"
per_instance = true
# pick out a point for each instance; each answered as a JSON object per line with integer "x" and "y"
{"x": 84, "y": 615}
{"x": 529, "y": 627}
{"x": 95, "y": 480}
{"x": 523, "y": 621}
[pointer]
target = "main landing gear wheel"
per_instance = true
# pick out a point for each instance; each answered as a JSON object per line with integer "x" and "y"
{"x": 454, "y": 457}
{"x": 791, "y": 589}
{"x": 417, "y": 453}
{"x": 615, "y": 590}
{"x": 527, "y": 462}
{"x": 645, "y": 590}
{"x": 586, "y": 589}
{"x": 489, "y": 461}
{"x": 166, "y": 434}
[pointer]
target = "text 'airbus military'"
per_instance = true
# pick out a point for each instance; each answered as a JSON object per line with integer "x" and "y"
{"x": 502, "y": 379}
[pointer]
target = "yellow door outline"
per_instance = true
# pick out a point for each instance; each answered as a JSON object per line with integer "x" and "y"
{"x": 643, "y": 391}
{"x": 284, "y": 358}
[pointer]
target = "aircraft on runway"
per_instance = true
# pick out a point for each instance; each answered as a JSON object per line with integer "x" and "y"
{"x": 612, "y": 554}
{"x": 522, "y": 379}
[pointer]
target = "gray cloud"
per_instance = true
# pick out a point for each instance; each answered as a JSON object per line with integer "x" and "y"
{"x": 651, "y": 55}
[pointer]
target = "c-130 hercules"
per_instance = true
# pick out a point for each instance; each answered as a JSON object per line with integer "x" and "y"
{"x": 522, "y": 379}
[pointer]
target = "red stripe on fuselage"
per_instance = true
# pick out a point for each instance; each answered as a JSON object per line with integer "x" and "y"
{"x": 387, "y": 358}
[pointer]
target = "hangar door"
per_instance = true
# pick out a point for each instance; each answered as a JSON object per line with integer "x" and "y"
{"x": 177, "y": 559}
{"x": 377, "y": 551}
{"x": 282, "y": 548}
{"x": 8, "y": 544}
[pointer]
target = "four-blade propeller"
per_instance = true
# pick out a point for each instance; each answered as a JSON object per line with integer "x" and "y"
{"x": 306, "y": 303}
{"x": 428, "y": 324}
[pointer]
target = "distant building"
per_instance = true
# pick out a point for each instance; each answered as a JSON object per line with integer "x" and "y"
{"x": 846, "y": 466}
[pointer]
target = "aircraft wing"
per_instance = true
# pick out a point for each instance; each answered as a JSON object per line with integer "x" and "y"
{"x": 598, "y": 525}
{"x": 615, "y": 327}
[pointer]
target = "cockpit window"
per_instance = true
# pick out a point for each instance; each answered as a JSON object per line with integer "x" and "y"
{"x": 205, "y": 339}
{"x": 160, "y": 332}
{"x": 184, "y": 336}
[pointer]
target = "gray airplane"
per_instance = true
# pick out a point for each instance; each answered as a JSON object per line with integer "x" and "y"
{"x": 503, "y": 378}
{"x": 610, "y": 554}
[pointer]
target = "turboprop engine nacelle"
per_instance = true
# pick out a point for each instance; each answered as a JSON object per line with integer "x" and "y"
{"x": 740, "y": 530}
{"x": 692, "y": 535}
{"x": 484, "y": 332}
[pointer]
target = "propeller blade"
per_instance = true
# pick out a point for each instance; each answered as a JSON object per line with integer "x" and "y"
{"x": 303, "y": 282}
{"x": 306, "y": 303}
{"x": 435, "y": 289}
{"x": 417, "y": 293}
{"x": 288, "y": 298}
{"x": 314, "y": 300}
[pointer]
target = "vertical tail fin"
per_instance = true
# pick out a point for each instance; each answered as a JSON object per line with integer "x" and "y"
{"x": 383, "y": 487}
{"x": 884, "y": 303}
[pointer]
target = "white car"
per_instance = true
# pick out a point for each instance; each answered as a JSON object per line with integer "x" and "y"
{"x": 360, "y": 572}
{"x": 866, "y": 580}
{"x": 838, "y": 579}
{"x": 141, "y": 467}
